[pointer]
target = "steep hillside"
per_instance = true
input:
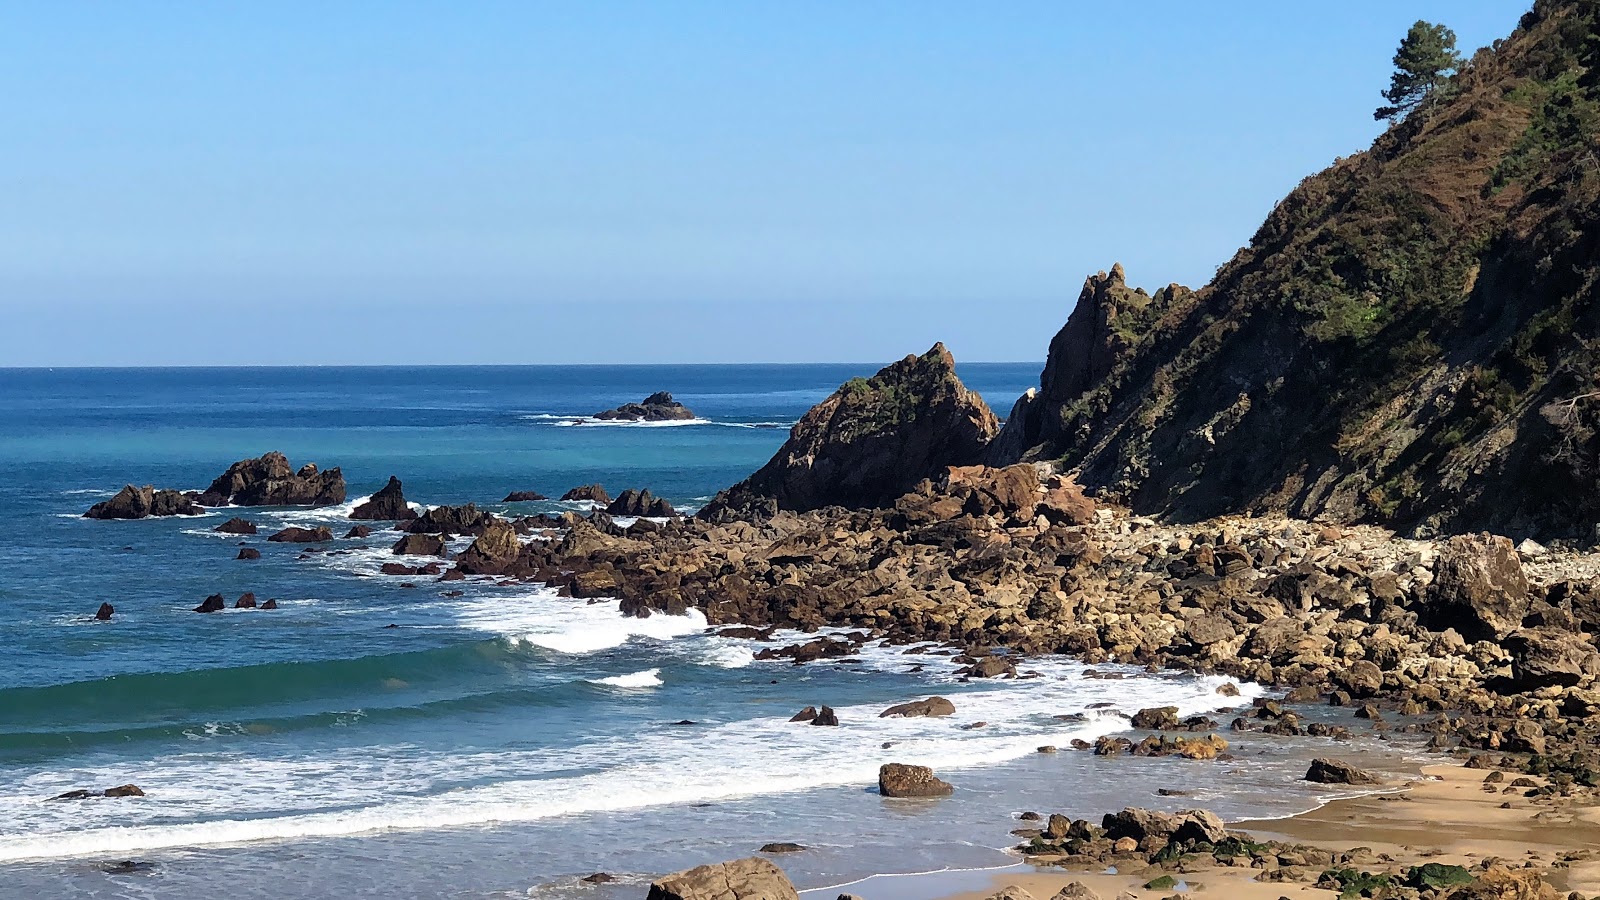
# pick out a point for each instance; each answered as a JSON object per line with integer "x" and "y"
{"x": 1410, "y": 338}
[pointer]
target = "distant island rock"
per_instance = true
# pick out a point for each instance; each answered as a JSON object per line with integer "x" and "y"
{"x": 523, "y": 497}
{"x": 142, "y": 502}
{"x": 658, "y": 407}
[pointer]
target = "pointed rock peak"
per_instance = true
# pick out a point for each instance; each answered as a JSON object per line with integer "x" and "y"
{"x": 1118, "y": 275}
{"x": 940, "y": 354}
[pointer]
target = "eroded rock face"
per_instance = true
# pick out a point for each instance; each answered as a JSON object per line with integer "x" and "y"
{"x": 493, "y": 552}
{"x": 269, "y": 481}
{"x": 389, "y": 503}
{"x": 742, "y": 879}
{"x": 1479, "y": 587}
{"x": 871, "y": 441}
{"x": 901, "y": 780}
{"x": 658, "y": 407}
{"x": 142, "y": 502}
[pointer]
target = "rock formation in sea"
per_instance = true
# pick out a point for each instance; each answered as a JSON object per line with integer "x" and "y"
{"x": 658, "y": 407}
{"x": 523, "y": 497}
{"x": 388, "y": 504}
{"x": 466, "y": 519}
{"x": 294, "y": 534}
{"x": 591, "y": 492}
{"x": 236, "y": 525}
{"x": 641, "y": 503}
{"x": 870, "y": 442}
{"x": 141, "y": 502}
{"x": 269, "y": 481}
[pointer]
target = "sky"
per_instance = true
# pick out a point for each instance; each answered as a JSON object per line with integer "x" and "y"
{"x": 296, "y": 183}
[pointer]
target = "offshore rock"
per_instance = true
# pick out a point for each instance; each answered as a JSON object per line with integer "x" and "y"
{"x": 641, "y": 504}
{"x": 871, "y": 441}
{"x": 389, "y": 503}
{"x": 269, "y": 481}
{"x": 297, "y": 535}
{"x": 593, "y": 493}
{"x": 142, "y": 502}
{"x": 493, "y": 553}
{"x": 236, "y": 525}
{"x": 658, "y": 407}
{"x": 466, "y": 519}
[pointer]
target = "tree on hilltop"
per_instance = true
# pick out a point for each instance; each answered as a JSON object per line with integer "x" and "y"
{"x": 1423, "y": 65}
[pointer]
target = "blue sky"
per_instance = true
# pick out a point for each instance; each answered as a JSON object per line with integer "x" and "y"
{"x": 526, "y": 182}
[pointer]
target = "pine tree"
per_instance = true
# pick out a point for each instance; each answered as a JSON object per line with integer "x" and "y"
{"x": 1424, "y": 63}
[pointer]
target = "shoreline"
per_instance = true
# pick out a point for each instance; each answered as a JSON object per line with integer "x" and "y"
{"x": 1446, "y": 814}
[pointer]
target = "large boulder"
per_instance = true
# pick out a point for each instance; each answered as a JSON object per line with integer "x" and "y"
{"x": 641, "y": 504}
{"x": 269, "y": 481}
{"x": 389, "y": 503}
{"x": 658, "y": 407}
{"x": 1550, "y": 657}
{"x": 492, "y": 552}
{"x": 419, "y": 545}
{"x": 901, "y": 780}
{"x": 933, "y": 706}
{"x": 593, "y": 493}
{"x": 141, "y": 502}
{"x": 742, "y": 879}
{"x": 236, "y": 525}
{"x": 294, "y": 534}
{"x": 1479, "y": 588}
{"x": 1134, "y": 822}
{"x": 1333, "y": 771}
{"x": 870, "y": 442}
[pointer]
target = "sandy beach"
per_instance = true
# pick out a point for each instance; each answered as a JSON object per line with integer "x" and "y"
{"x": 1447, "y": 815}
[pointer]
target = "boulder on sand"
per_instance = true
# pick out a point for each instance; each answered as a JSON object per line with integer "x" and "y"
{"x": 658, "y": 407}
{"x": 1332, "y": 771}
{"x": 389, "y": 503}
{"x": 143, "y": 502}
{"x": 269, "y": 481}
{"x": 297, "y": 535}
{"x": 901, "y": 780}
{"x": 742, "y": 879}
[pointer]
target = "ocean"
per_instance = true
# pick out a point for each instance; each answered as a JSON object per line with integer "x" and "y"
{"x": 377, "y": 736}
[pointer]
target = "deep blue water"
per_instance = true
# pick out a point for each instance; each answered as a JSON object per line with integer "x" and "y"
{"x": 494, "y": 742}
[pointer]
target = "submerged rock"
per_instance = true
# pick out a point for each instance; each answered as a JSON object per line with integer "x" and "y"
{"x": 658, "y": 407}
{"x": 143, "y": 502}
{"x": 389, "y": 503}
{"x": 269, "y": 481}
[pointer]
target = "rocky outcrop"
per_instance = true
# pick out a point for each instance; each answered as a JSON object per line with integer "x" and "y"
{"x": 870, "y": 442}
{"x": 294, "y": 534}
{"x": 494, "y": 552}
{"x": 1550, "y": 657}
{"x": 901, "y": 780}
{"x": 466, "y": 519}
{"x": 236, "y": 525}
{"x": 419, "y": 545}
{"x": 142, "y": 502}
{"x": 523, "y": 497}
{"x": 248, "y": 553}
{"x": 213, "y": 603}
{"x": 592, "y": 493}
{"x": 742, "y": 879}
{"x": 1479, "y": 588}
{"x": 359, "y": 531}
{"x": 641, "y": 504}
{"x": 105, "y": 612}
{"x": 933, "y": 706}
{"x": 658, "y": 407}
{"x": 269, "y": 481}
{"x": 389, "y": 504}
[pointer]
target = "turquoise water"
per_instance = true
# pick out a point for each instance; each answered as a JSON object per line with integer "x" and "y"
{"x": 492, "y": 743}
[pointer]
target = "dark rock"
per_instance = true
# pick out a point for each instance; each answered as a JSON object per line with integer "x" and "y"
{"x": 1159, "y": 718}
{"x": 419, "y": 545}
{"x": 248, "y": 553}
{"x": 658, "y": 407}
{"x": 523, "y": 497}
{"x": 143, "y": 502}
{"x": 933, "y": 706}
{"x": 246, "y": 600}
{"x": 743, "y": 879}
{"x": 105, "y": 612}
{"x": 804, "y": 715}
{"x": 296, "y": 535}
{"x": 1550, "y": 657}
{"x": 494, "y": 551}
{"x": 991, "y": 667}
{"x": 269, "y": 481}
{"x": 270, "y": 604}
{"x": 871, "y": 441}
{"x": 126, "y": 790}
{"x": 466, "y": 519}
{"x": 598, "y": 877}
{"x": 1479, "y": 588}
{"x": 236, "y": 525}
{"x": 590, "y": 492}
{"x": 213, "y": 603}
{"x": 360, "y": 531}
{"x": 128, "y": 867}
{"x": 782, "y": 847}
{"x": 1138, "y": 824}
{"x": 900, "y": 780}
{"x": 1332, "y": 771}
{"x": 641, "y": 503}
{"x": 826, "y": 716}
{"x": 389, "y": 503}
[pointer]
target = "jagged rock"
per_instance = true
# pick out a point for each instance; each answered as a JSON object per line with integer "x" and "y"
{"x": 1134, "y": 822}
{"x": 900, "y": 780}
{"x": 360, "y": 531}
{"x": 523, "y": 497}
{"x": 933, "y": 706}
{"x": 1550, "y": 657}
{"x": 142, "y": 502}
{"x": 269, "y": 481}
{"x": 640, "y": 503}
{"x": 213, "y": 603}
{"x": 826, "y": 716}
{"x": 804, "y": 715}
{"x": 658, "y": 407}
{"x": 493, "y": 552}
{"x": 297, "y": 535}
{"x": 593, "y": 493}
{"x": 270, "y": 604}
{"x": 389, "y": 503}
{"x": 1332, "y": 771}
{"x": 743, "y": 879}
{"x": 246, "y": 600}
{"x": 236, "y": 525}
{"x": 248, "y": 553}
{"x": 871, "y": 441}
{"x": 1479, "y": 587}
{"x": 105, "y": 612}
{"x": 1077, "y": 890}
{"x": 466, "y": 519}
{"x": 419, "y": 545}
